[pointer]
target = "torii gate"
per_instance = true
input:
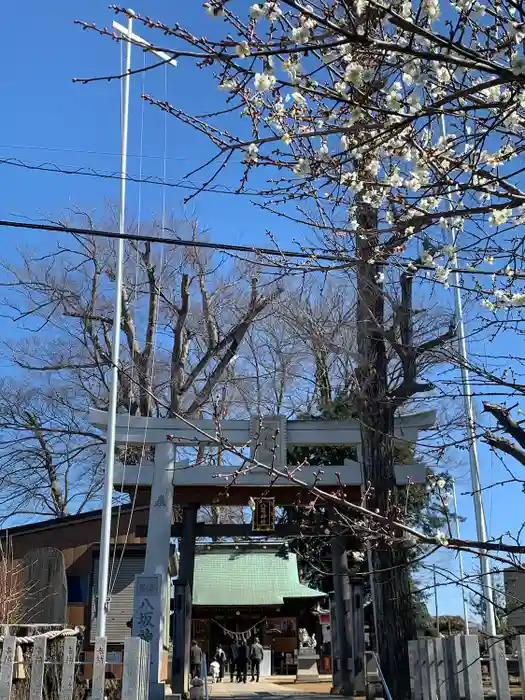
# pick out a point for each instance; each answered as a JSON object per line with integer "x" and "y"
{"x": 170, "y": 482}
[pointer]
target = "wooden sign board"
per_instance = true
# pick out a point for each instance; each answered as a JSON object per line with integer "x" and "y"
{"x": 263, "y": 519}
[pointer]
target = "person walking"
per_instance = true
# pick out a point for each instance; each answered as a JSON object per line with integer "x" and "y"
{"x": 220, "y": 657}
{"x": 243, "y": 656}
{"x": 256, "y": 657}
{"x": 234, "y": 650}
{"x": 195, "y": 659}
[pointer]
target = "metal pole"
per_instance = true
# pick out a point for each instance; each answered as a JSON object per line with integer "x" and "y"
{"x": 481, "y": 529}
{"x": 436, "y": 600}
{"x": 460, "y": 558}
{"x": 105, "y": 535}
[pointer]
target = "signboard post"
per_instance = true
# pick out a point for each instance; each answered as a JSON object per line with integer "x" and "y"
{"x": 147, "y": 618}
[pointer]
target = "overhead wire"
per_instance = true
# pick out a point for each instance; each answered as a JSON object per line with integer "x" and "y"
{"x": 84, "y": 171}
{"x": 56, "y": 149}
{"x": 308, "y": 254}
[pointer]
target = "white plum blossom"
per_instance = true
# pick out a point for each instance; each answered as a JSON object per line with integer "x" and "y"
{"x": 272, "y": 11}
{"x": 440, "y": 483}
{"x": 252, "y": 154}
{"x": 498, "y": 217}
{"x": 505, "y": 300}
{"x": 492, "y": 94}
{"x": 406, "y": 9}
{"x": 373, "y": 166}
{"x": 256, "y": 11}
{"x": 395, "y": 179}
{"x": 432, "y": 9}
{"x": 301, "y": 35}
{"x": 517, "y": 64}
{"x": 442, "y": 274}
{"x": 242, "y": 49}
{"x": 442, "y": 538}
{"x": 298, "y": 98}
{"x": 323, "y": 152}
{"x": 264, "y": 82}
{"x": 302, "y": 167}
{"x": 354, "y": 74}
{"x": 286, "y": 139}
{"x": 358, "y": 556}
{"x": 516, "y": 32}
{"x": 293, "y": 68}
{"x": 214, "y": 10}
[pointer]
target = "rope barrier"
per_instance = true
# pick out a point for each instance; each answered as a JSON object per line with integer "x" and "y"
{"x": 52, "y": 634}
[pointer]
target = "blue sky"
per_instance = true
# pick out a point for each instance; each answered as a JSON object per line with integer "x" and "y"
{"x": 48, "y": 118}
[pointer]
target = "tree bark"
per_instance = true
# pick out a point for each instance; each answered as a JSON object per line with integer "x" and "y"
{"x": 394, "y": 610}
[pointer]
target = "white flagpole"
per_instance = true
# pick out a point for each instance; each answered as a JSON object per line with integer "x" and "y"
{"x": 477, "y": 495}
{"x": 105, "y": 535}
{"x": 460, "y": 559}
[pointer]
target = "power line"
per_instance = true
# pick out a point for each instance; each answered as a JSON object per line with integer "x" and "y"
{"x": 311, "y": 254}
{"x": 56, "y": 149}
{"x": 184, "y": 243}
{"x": 91, "y": 172}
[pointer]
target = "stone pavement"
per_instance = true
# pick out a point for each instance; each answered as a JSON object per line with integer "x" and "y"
{"x": 268, "y": 688}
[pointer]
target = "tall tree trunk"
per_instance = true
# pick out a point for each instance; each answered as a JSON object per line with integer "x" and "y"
{"x": 394, "y": 610}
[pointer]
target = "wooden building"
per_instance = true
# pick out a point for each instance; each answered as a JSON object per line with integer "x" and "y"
{"x": 249, "y": 589}
{"x": 75, "y": 539}
{"x": 240, "y": 588}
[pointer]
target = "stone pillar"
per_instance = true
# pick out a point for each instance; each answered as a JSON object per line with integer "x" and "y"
{"x": 343, "y": 619}
{"x": 158, "y": 553}
{"x": 183, "y": 600}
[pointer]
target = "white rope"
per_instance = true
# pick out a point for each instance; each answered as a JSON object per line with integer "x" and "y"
{"x": 52, "y": 634}
{"x": 240, "y": 635}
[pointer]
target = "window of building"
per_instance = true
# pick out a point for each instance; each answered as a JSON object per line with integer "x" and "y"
{"x": 78, "y": 589}
{"x": 141, "y": 531}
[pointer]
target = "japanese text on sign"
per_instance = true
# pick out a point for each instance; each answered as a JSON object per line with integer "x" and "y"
{"x": 147, "y": 608}
{"x": 264, "y": 515}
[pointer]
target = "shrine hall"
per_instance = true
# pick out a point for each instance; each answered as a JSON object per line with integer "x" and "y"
{"x": 247, "y": 589}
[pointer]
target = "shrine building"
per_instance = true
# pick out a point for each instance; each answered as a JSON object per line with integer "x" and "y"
{"x": 247, "y": 589}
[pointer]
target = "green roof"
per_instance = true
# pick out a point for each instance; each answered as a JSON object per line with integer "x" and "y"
{"x": 230, "y": 575}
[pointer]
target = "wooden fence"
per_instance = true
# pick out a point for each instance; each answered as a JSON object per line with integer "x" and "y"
{"x": 42, "y": 675}
{"x": 450, "y": 668}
